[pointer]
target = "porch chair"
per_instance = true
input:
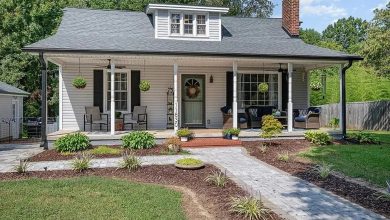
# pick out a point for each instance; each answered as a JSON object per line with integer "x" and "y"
{"x": 256, "y": 114}
{"x": 138, "y": 117}
{"x": 307, "y": 119}
{"x": 93, "y": 116}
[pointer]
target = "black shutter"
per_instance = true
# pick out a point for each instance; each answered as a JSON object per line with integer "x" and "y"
{"x": 135, "y": 91}
{"x": 284, "y": 91}
{"x": 229, "y": 89}
{"x": 98, "y": 89}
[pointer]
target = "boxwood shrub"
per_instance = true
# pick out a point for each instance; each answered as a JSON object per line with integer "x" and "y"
{"x": 72, "y": 142}
{"x": 138, "y": 140}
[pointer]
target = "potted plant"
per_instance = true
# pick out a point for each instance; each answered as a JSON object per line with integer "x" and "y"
{"x": 184, "y": 134}
{"x": 234, "y": 132}
{"x": 227, "y": 133}
{"x": 263, "y": 87}
{"x": 189, "y": 163}
{"x": 79, "y": 82}
{"x": 315, "y": 86}
{"x": 118, "y": 115}
{"x": 144, "y": 85}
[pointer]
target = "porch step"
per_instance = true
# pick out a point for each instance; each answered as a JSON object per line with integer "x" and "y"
{"x": 211, "y": 142}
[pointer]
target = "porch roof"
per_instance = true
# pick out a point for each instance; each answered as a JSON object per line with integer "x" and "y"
{"x": 124, "y": 32}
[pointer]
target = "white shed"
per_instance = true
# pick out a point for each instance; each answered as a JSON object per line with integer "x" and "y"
{"x": 11, "y": 111}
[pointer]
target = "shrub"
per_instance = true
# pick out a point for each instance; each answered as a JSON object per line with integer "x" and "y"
{"x": 323, "y": 170}
{"x": 144, "y": 85}
{"x": 263, "y": 148}
{"x": 364, "y": 138}
{"x": 318, "y": 137}
{"x": 285, "y": 157}
{"x": 235, "y": 131}
{"x": 249, "y": 207}
{"x": 130, "y": 161}
{"x": 82, "y": 161}
{"x": 72, "y": 142}
{"x": 189, "y": 161}
{"x": 334, "y": 123}
{"x": 22, "y": 166}
{"x": 103, "y": 150}
{"x": 173, "y": 145}
{"x": 184, "y": 132}
{"x": 270, "y": 127}
{"x": 79, "y": 82}
{"x": 138, "y": 140}
{"x": 217, "y": 178}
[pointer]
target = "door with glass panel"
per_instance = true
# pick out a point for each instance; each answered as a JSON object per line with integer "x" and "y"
{"x": 121, "y": 91}
{"x": 193, "y": 101}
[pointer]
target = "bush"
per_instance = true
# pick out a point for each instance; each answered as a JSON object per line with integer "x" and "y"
{"x": 184, "y": 132}
{"x": 138, "y": 140}
{"x": 334, "y": 123}
{"x": 318, "y": 137}
{"x": 189, "y": 162}
{"x": 144, "y": 85}
{"x": 79, "y": 82}
{"x": 72, "y": 142}
{"x": 364, "y": 138}
{"x": 263, "y": 148}
{"x": 285, "y": 157}
{"x": 323, "y": 170}
{"x": 217, "y": 178}
{"x": 82, "y": 162}
{"x": 270, "y": 127}
{"x": 173, "y": 145}
{"x": 130, "y": 161}
{"x": 249, "y": 207}
{"x": 231, "y": 131}
{"x": 22, "y": 166}
{"x": 103, "y": 150}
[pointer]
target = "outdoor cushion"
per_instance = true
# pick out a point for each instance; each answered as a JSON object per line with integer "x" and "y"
{"x": 300, "y": 119}
{"x": 225, "y": 109}
{"x": 314, "y": 110}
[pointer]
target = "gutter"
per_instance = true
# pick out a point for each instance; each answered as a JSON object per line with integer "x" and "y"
{"x": 343, "y": 99}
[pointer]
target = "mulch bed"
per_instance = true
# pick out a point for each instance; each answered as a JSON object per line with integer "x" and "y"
{"x": 217, "y": 199}
{"x": 53, "y": 155}
{"x": 303, "y": 169}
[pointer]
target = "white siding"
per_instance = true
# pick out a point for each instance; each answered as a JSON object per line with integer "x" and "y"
{"x": 5, "y": 113}
{"x": 214, "y": 26}
{"x": 299, "y": 94}
{"x": 162, "y": 23}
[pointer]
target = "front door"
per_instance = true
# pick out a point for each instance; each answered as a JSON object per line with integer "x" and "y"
{"x": 193, "y": 101}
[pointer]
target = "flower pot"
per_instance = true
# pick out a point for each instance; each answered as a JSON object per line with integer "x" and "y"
{"x": 189, "y": 167}
{"x": 227, "y": 136}
{"x": 184, "y": 139}
{"x": 234, "y": 137}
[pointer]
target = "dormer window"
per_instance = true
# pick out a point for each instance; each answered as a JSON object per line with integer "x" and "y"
{"x": 175, "y": 23}
{"x": 201, "y": 24}
{"x": 188, "y": 24}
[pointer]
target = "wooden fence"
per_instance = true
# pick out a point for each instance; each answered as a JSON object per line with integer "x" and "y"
{"x": 360, "y": 115}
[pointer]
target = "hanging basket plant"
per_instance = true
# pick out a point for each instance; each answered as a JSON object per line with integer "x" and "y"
{"x": 79, "y": 82}
{"x": 263, "y": 87}
{"x": 315, "y": 86}
{"x": 144, "y": 85}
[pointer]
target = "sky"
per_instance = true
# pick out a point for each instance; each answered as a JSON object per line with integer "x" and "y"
{"x": 318, "y": 14}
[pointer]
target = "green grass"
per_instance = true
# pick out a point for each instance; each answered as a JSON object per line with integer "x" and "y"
{"x": 87, "y": 198}
{"x": 101, "y": 150}
{"x": 369, "y": 162}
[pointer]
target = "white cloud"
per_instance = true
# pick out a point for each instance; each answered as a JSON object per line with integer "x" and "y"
{"x": 319, "y": 8}
{"x": 380, "y": 5}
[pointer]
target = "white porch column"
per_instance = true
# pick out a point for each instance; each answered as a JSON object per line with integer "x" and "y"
{"x": 235, "y": 116}
{"x": 60, "y": 84}
{"x": 290, "y": 103}
{"x": 112, "y": 87}
{"x": 341, "y": 97}
{"x": 175, "y": 102}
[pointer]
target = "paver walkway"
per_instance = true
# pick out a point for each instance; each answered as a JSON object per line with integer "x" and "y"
{"x": 288, "y": 196}
{"x": 11, "y": 154}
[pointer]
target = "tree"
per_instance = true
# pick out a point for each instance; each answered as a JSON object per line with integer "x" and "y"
{"x": 348, "y": 32}
{"x": 376, "y": 49}
{"x": 310, "y": 36}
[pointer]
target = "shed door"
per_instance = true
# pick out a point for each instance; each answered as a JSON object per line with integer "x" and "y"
{"x": 16, "y": 120}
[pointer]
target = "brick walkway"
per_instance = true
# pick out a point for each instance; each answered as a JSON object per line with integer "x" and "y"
{"x": 288, "y": 196}
{"x": 201, "y": 142}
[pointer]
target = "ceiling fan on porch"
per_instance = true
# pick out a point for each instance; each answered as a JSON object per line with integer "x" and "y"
{"x": 282, "y": 70}
{"x": 109, "y": 66}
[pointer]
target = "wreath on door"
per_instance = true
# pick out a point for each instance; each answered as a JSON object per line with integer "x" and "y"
{"x": 193, "y": 89}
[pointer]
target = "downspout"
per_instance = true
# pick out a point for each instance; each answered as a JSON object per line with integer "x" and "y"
{"x": 343, "y": 99}
{"x": 43, "y": 101}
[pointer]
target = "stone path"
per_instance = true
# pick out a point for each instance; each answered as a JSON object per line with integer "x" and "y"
{"x": 11, "y": 154}
{"x": 288, "y": 196}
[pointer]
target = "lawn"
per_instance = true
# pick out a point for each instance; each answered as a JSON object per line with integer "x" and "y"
{"x": 87, "y": 198}
{"x": 369, "y": 162}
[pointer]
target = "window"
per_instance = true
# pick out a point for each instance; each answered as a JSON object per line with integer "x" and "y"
{"x": 249, "y": 95}
{"x": 120, "y": 85}
{"x": 175, "y": 24}
{"x": 201, "y": 24}
{"x": 188, "y": 24}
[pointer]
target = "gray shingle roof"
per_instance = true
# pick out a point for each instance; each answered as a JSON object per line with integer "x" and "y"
{"x": 132, "y": 32}
{"x": 11, "y": 90}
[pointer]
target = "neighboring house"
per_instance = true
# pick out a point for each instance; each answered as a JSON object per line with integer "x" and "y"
{"x": 204, "y": 56}
{"x": 11, "y": 111}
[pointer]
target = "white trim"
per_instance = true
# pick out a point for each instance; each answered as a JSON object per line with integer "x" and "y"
{"x": 18, "y": 95}
{"x": 155, "y": 16}
{"x": 182, "y": 35}
{"x": 175, "y": 101}
{"x": 112, "y": 101}
{"x": 290, "y": 102}
{"x": 60, "y": 94}
{"x": 235, "y": 112}
{"x": 152, "y": 7}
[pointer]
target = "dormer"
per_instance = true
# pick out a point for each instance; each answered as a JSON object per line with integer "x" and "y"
{"x": 184, "y": 22}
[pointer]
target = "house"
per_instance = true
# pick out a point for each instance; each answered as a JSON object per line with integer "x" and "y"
{"x": 208, "y": 59}
{"x": 11, "y": 111}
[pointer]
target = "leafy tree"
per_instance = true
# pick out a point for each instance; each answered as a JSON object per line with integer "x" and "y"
{"x": 376, "y": 49}
{"x": 347, "y": 32}
{"x": 310, "y": 36}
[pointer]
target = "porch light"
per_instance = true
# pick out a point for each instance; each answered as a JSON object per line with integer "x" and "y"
{"x": 211, "y": 79}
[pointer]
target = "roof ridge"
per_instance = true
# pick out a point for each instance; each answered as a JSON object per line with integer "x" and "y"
{"x": 95, "y": 9}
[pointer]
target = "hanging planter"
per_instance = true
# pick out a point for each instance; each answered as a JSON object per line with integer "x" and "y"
{"x": 144, "y": 85}
{"x": 263, "y": 87}
{"x": 79, "y": 82}
{"x": 315, "y": 86}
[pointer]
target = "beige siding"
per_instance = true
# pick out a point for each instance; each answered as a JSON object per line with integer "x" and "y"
{"x": 300, "y": 94}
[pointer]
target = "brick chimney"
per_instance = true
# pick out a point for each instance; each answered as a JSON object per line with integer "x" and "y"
{"x": 290, "y": 14}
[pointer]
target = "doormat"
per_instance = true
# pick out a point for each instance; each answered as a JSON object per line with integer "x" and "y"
{"x": 211, "y": 142}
